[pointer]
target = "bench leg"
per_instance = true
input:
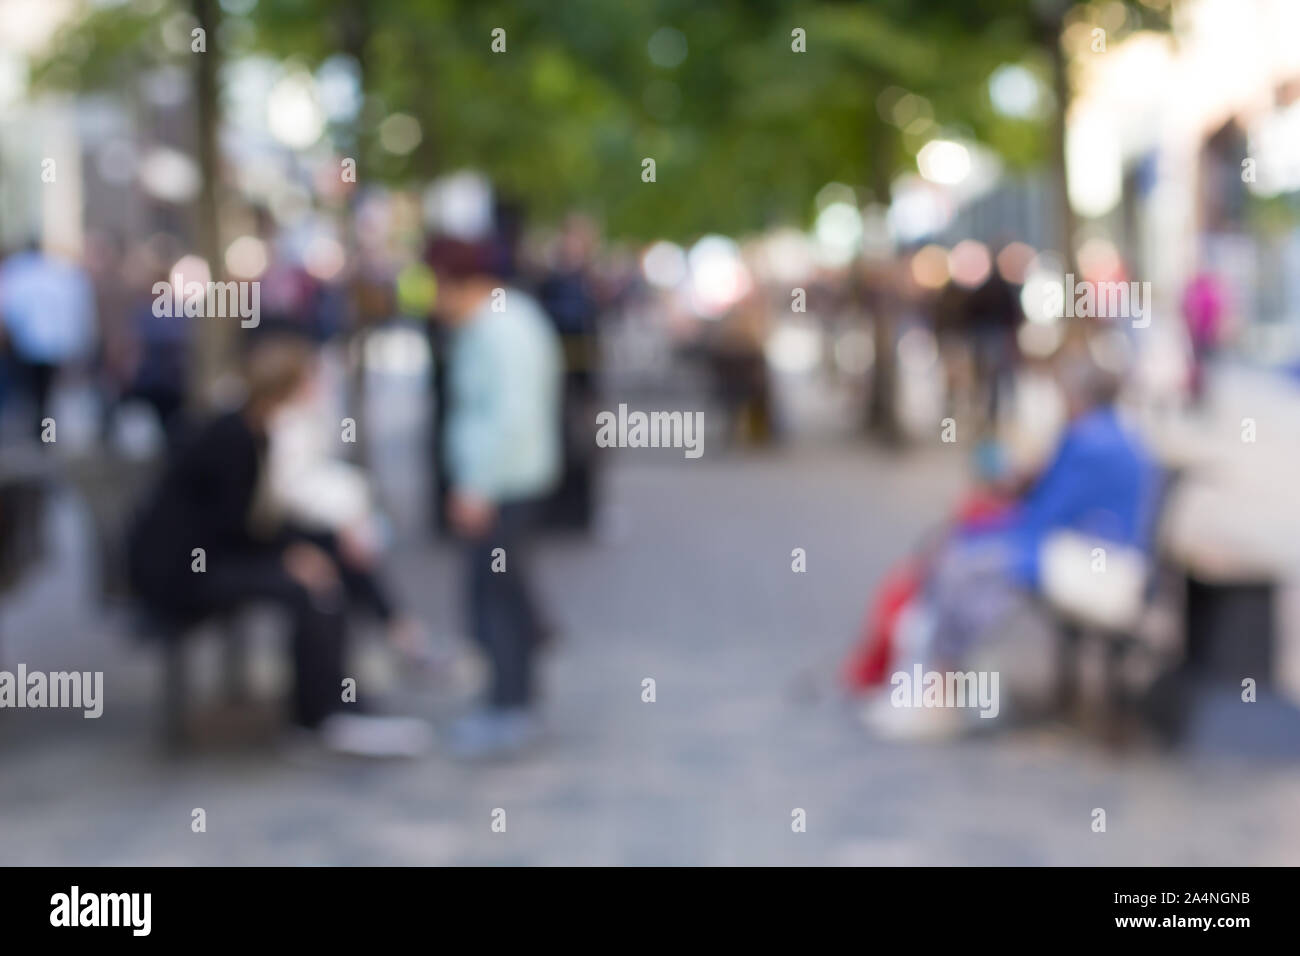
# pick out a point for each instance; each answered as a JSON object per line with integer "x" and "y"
{"x": 1118, "y": 699}
{"x": 235, "y": 663}
{"x": 175, "y": 693}
{"x": 1069, "y": 646}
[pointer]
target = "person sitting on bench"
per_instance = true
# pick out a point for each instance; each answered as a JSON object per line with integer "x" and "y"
{"x": 209, "y": 539}
{"x": 1100, "y": 483}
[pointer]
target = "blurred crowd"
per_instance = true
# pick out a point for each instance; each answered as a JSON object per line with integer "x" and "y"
{"x": 257, "y": 496}
{"x": 260, "y": 495}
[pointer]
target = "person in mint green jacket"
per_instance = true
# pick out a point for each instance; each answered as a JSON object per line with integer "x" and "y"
{"x": 502, "y": 448}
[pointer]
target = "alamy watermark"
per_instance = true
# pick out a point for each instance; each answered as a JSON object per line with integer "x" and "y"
{"x": 71, "y": 689}
{"x": 946, "y": 689}
{"x": 211, "y": 300}
{"x": 75, "y": 908}
{"x": 1100, "y": 300}
{"x": 637, "y": 429}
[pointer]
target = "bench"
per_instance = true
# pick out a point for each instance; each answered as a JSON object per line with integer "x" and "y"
{"x": 1116, "y": 629}
{"x": 112, "y": 487}
{"x": 1119, "y": 643}
{"x": 1218, "y": 565}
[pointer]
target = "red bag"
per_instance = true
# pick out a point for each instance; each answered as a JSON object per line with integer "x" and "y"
{"x": 869, "y": 663}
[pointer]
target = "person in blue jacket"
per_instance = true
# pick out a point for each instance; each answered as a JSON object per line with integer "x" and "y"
{"x": 1101, "y": 482}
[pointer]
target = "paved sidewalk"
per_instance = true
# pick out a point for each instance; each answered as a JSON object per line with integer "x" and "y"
{"x": 689, "y": 583}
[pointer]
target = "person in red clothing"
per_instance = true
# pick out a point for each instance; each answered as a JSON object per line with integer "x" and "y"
{"x": 1203, "y": 306}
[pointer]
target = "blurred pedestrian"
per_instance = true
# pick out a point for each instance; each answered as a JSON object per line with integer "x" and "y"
{"x": 992, "y": 317}
{"x": 568, "y": 293}
{"x": 1204, "y": 302}
{"x": 47, "y": 309}
{"x": 159, "y": 358}
{"x": 108, "y": 262}
{"x": 739, "y": 364}
{"x": 502, "y": 446}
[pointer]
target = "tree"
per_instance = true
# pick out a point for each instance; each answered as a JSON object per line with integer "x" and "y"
{"x": 112, "y": 49}
{"x": 744, "y": 129}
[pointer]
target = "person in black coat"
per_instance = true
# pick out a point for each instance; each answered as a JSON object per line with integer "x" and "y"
{"x": 208, "y": 539}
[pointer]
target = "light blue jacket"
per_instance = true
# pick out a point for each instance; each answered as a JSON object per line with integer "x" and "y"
{"x": 48, "y": 307}
{"x": 503, "y": 421}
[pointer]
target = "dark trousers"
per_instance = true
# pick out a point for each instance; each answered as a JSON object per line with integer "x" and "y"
{"x": 318, "y": 624}
{"x": 37, "y": 378}
{"x": 503, "y": 616}
{"x": 318, "y": 627}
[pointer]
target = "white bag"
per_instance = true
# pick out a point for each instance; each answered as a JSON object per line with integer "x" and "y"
{"x": 309, "y": 485}
{"x": 1094, "y": 582}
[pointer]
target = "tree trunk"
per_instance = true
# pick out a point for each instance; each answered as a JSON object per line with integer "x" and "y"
{"x": 215, "y": 338}
{"x": 882, "y": 412}
{"x": 882, "y": 398}
{"x": 354, "y": 34}
{"x": 1067, "y": 224}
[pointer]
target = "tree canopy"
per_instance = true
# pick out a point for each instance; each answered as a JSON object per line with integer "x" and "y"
{"x": 744, "y": 129}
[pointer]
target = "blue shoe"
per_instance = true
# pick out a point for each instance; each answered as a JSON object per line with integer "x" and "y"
{"x": 519, "y": 729}
{"x": 490, "y": 733}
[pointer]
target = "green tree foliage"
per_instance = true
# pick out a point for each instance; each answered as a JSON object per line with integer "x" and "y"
{"x": 743, "y": 130}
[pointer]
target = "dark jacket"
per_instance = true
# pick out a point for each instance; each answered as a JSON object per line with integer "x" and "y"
{"x": 203, "y": 500}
